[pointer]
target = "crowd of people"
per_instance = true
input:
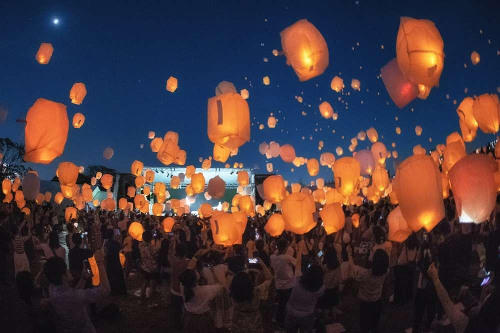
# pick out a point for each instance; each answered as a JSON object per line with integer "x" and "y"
{"x": 63, "y": 270}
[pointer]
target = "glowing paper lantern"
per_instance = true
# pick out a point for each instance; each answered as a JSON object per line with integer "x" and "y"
{"x": 327, "y": 159}
{"x": 136, "y": 168}
{"x": 326, "y": 110}
{"x": 157, "y": 209}
{"x": 108, "y": 153}
{"x": 135, "y": 231}
{"x": 244, "y": 93}
{"x": 44, "y": 53}
{"x": 274, "y": 188}
{"x": 8, "y": 198}
{"x": 355, "y": 220}
{"x": 243, "y": 179}
{"x": 372, "y": 134}
{"x": 58, "y": 198}
{"x": 224, "y": 229}
{"x": 274, "y": 149}
{"x": 486, "y": 110}
{"x": 156, "y": 144}
{"x": 475, "y": 58}
{"x": 418, "y": 130}
{"x": 313, "y": 167}
{"x": 228, "y": 120}
{"x": 366, "y": 161}
{"x": 246, "y": 205}
{"x": 46, "y": 131}
{"x": 401, "y": 91}
{"x": 398, "y": 228}
{"x": 70, "y": 213}
{"x": 297, "y": 210}
{"x": 337, "y": 84}
{"x": 224, "y": 87}
{"x": 474, "y": 188}
{"x": 171, "y": 84}
{"x": 77, "y": 93}
{"x": 333, "y": 218}
{"x": 31, "y": 186}
{"x": 319, "y": 196}
{"x": 355, "y": 84}
{"x": 419, "y": 50}
{"x": 67, "y": 173}
{"x": 468, "y": 134}
{"x": 346, "y": 174}
{"x": 139, "y": 181}
{"x": 419, "y": 191}
{"x": 108, "y": 204}
{"x": 287, "y": 153}
{"x": 168, "y": 224}
{"x": 263, "y": 148}
{"x": 466, "y": 114}
{"x": 180, "y": 158}
{"x": 379, "y": 152}
{"x": 151, "y": 135}
{"x": 216, "y": 187}
{"x": 40, "y": 199}
{"x": 122, "y": 204}
{"x": 221, "y": 153}
{"x": 6, "y": 186}
{"x": 269, "y": 167}
{"x": 198, "y": 183}
{"x": 271, "y": 122}
{"x": 275, "y": 225}
{"x": 168, "y": 151}
{"x": 380, "y": 178}
{"x": 149, "y": 176}
{"x": 107, "y": 181}
{"x": 453, "y": 152}
{"x": 305, "y": 49}
{"x": 78, "y": 120}
{"x": 418, "y": 150}
{"x": 205, "y": 210}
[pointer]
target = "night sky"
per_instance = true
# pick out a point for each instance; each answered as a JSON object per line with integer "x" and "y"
{"x": 125, "y": 51}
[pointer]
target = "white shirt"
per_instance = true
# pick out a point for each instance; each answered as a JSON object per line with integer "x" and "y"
{"x": 220, "y": 271}
{"x": 283, "y": 266}
{"x": 198, "y": 304}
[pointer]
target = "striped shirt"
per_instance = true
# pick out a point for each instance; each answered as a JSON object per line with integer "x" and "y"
{"x": 18, "y": 242}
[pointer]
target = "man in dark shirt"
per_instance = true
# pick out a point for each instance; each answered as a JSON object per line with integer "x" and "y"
{"x": 77, "y": 255}
{"x": 236, "y": 263}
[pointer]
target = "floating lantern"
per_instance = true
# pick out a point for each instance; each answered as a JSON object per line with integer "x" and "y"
{"x": 156, "y": 144}
{"x": 78, "y": 120}
{"x": 401, "y": 91}
{"x": 135, "y": 231}
{"x": 313, "y": 167}
{"x": 136, "y": 168}
{"x": 346, "y": 175}
{"x": 77, "y": 93}
{"x": 198, "y": 183}
{"x": 244, "y": 93}
{"x": 326, "y": 110}
{"x": 355, "y": 84}
{"x": 337, "y": 84}
{"x": 243, "y": 179}
{"x": 221, "y": 153}
{"x": 380, "y": 179}
{"x": 271, "y": 122}
{"x": 107, "y": 181}
{"x": 297, "y": 210}
{"x": 372, "y": 134}
{"x": 171, "y": 84}
{"x": 216, "y": 187}
{"x": 366, "y": 161}
{"x": 333, "y": 218}
{"x": 379, "y": 152}
{"x": 486, "y": 110}
{"x": 168, "y": 224}
{"x": 44, "y": 53}
{"x": 475, "y": 58}
{"x": 418, "y": 130}
{"x": 108, "y": 153}
{"x": 274, "y": 188}
{"x": 398, "y": 228}
{"x": 70, "y": 213}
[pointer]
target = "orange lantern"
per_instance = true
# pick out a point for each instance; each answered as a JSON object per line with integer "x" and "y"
{"x": 275, "y": 225}
{"x": 355, "y": 220}
{"x": 326, "y": 110}
{"x": 398, "y": 228}
{"x": 246, "y": 205}
{"x": 198, "y": 183}
{"x": 67, "y": 173}
{"x": 108, "y": 153}
{"x": 44, "y": 53}
{"x": 168, "y": 224}
{"x": 216, "y": 187}
{"x": 297, "y": 210}
{"x": 108, "y": 204}
{"x": 78, "y": 120}
{"x": 107, "y": 181}
{"x": 379, "y": 152}
{"x": 366, "y": 161}
{"x": 401, "y": 91}
{"x": 40, "y": 199}
{"x": 271, "y": 122}
{"x": 419, "y": 191}
{"x": 287, "y": 153}
{"x": 486, "y": 110}
{"x": 333, "y": 218}
{"x": 6, "y": 186}
{"x": 171, "y": 84}
{"x": 122, "y": 204}
{"x": 175, "y": 182}
{"x": 136, "y": 168}
{"x": 355, "y": 84}
{"x": 77, "y": 93}
{"x": 419, "y": 50}
{"x": 346, "y": 175}
{"x": 87, "y": 194}
{"x": 337, "y": 84}
{"x": 135, "y": 231}
{"x": 228, "y": 120}
{"x": 46, "y": 131}
{"x": 243, "y": 179}
{"x": 474, "y": 188}
{"x": 205, "y": 210}
{"x": 224, "y": 229}
{"x": 150, "y": 176}
{"x": 156, "y": 144}
{"x": 274, "y": 188}
{"x": 244, "y": 93}
{"x": 180, "y": 158}
{"x": 313, "y": 167}
{"x": 70, "y": 213}
{"x": 466, "y": 113}
{"x": 8, "y": 198}
{"x": 380, "y": 178}
{"x": 372, "y": 134}
{"x": 157, "y": 209}
{"x": 146, "y": 190}
{"x": 221, "y": 153}
{"x": 58, "y": 198}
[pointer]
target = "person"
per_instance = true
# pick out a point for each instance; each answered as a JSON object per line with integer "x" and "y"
{"x": 127, "y": 251}
{"x": 493, "y": 252}
{"x": 371, "y": 282}
{"x": 178, "y": 264}
{"x": 77, "y": 255}
{"x": 196, "y": 298}
{"x": 67, "y": 297}
{"x": 236, "y": 262}
{"x": 21, "y": 262}
{"x": 283, "y": 266}
{"x": 149, "y": 267}
{"x": 332, "y": 280}
{"x": 405, "y": 270}
{"x": 305, "y": 293}
{"x": 247, "y": 295}
{"x": 113, "y": 265}
{"x": 261, "y": 252}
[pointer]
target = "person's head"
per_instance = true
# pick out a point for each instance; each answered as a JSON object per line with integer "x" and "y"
{"x": 312, "y": 280}
{"x": 380, "y": 262}
{"x": 330, "y": 258}
{"x": 189, "y": 280}
{"x": 77, "y": 239}
{"x": 259, "y": 245}
{"x": 180, "y": 250}
{"x": 241, "y": 289}
{"x": 147, "y": 236}
{"x": 282, "y": 245}
{"x": 54, "y": 240}
{"x": 55, "y": 270}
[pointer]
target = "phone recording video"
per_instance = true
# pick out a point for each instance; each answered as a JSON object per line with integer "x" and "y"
{"x": 253, "y": 260}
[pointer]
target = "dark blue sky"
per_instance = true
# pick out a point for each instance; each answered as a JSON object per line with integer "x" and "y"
{"x": 125, "y": 51}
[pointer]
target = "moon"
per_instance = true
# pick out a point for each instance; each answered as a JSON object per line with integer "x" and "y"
{"x": 55, "y": 21}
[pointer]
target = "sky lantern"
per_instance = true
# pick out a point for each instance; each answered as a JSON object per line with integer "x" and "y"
{"x": 31, "y": 186}
{"x": 379, "y": 152}
{"x": 44, "y": 53}
{"x": 171, "y": 84}
{"x": 380, "y": 178}
{"x": 346, "y": 173}
{"x": 157, "y": 209}
{"x": 224, "y": 87}
{"x": 107, "y": 181}
{"x": 151, "y": 135}
{"x": 224, "y": 229}
{"x": 175, "y": 182}
{"x": 246, "y": 205}
{"x": 419, "y": 50}
{"x": 216, "y": 187}
{"x": 326, "y": 110}
{"x": 271, "y": 122}
{"x": 474, "y": 188}
{"x": 206, "y": 164}
{"x": 156, "y": 144}
{"x": 140, "y": 201}
{"x": 263, "y": 148}
{"x": 297, "y": 210}
{"x": 275, "y": 225}
{"x": 139, "y": 181}
{"x": 159, "y": 188}
{"x": 221, "y": 153}
{"x": 198, "y": 183}
{"x": 313, "y": 167}
{"x": 355, "y": 220}
{"x": 333, "y": 218}
{"x": 205, "y": 210}
{"x": 8, "y": 198}
{"x": 418, "y": 150}
{"x": 180, "y": 158}
{"x": 327, "y": 159}
{"x": 319, "y": 196}
{"x": 266, "y": 81}
{"x": 445, "y": 181}
{"x": 244, "y": 93}
{"x": 70, "y": 213}
{"x": 108, "y": 153}
{"x": 320, "y": 183}
{"x": 40, "y": 199}
{"x": 418, "y": 130}
{"x": 269, "y": 167}
{"x": 87, "y": 194}
{"x": 453, "y": 152}
{"x": 168, "y": 224}
{"x": 46, "y": 131}
{"x": 77, "y": 93}
{"x": 355, "y": 84}
{"x": 19, "y": 196}
{"x": 6, "y": 186}
{"x": 337, "y": 84}
{"x": 466, "y": 113}
{"x": 58, "y": 198}
{"x": 274, "y": 149}
{"x": 243, "y": 179}
{"x": 168, "y": 151}
{"x": 136, "y": 168}
{"x": 423, "y": 91}
{"x": 372, "y": 134}
{"x": 401, "y": 91}
{"x": 228, "y": 120}
{"x": 339, "y": 151}
{"x": 419, "y": 191}
{"x": 398, "y": 228}
{"x": 78, "y": 120}
{"x": 372, "y": 194}
{"x": 146, "y": 190}
{"x": 305, "y": 49}
{"x": 67, "y": 174}
{"x": 122, "y": 204}
{"x": 468, "y": 134}
{"x": 287, "y": 153}
{"x": 475, "y": 58}
{"x": 108, "y": 204}
{"x": 274, "y": 188}
{"x": 366, "y": 161}
{"x": 486, "y": 110}
{"x": 149, "y": 176}
{"x": 135, "y": 231}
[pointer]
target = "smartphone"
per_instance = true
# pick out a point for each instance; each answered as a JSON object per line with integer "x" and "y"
{"x": 253, "y": 260}
{"x": 86, "y": 265}
{"x": 320, "y": 254}
{"x": 257, "y": 235}
{"x": 486, "y": 279}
